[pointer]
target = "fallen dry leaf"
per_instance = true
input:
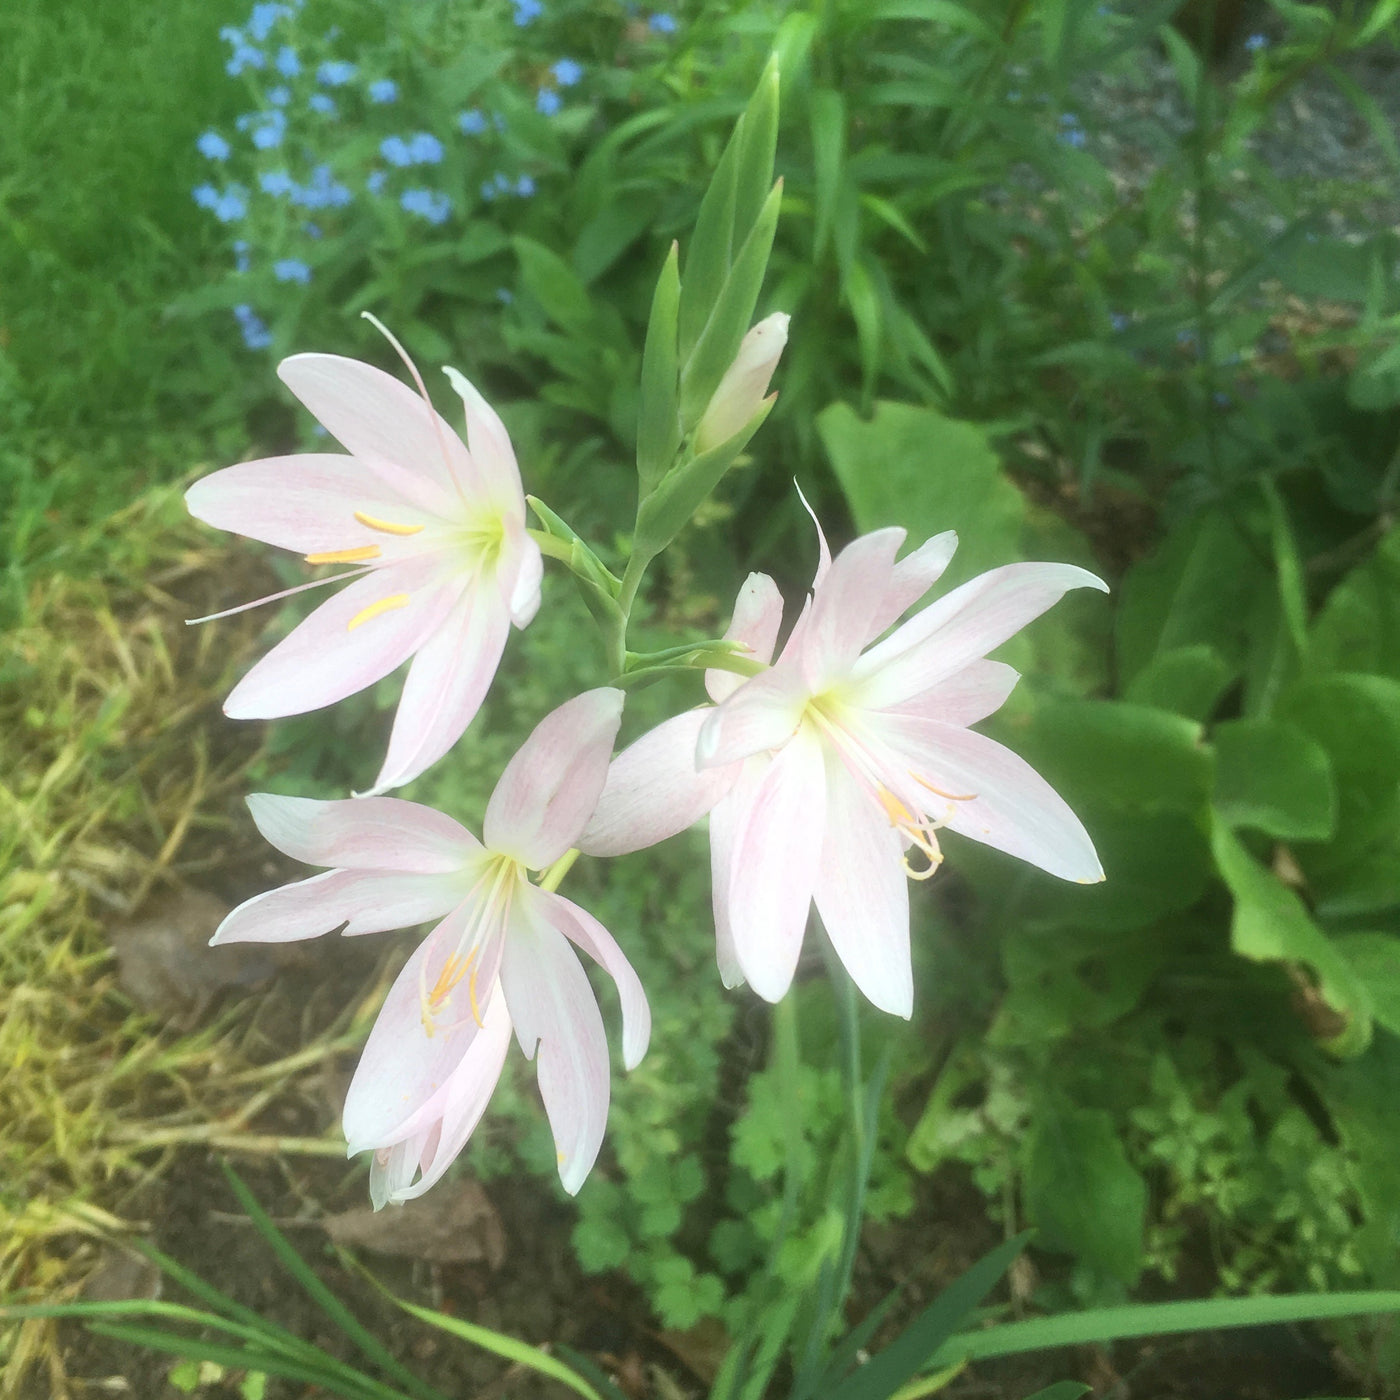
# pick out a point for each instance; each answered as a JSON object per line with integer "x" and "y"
{"x": 454, "y": 1223}
{"x": 165, "y": 964}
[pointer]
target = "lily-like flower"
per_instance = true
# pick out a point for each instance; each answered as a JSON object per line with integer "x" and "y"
{"x": 740, "y": 393}
{"x": 825, "y": 771}
{"x": 499, "y": 957}
{"x": 437, "y": 528}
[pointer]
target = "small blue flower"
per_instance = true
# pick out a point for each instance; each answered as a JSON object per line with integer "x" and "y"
{"x": 320, "y": 102}
{"x": 424, "y": 148}
{"x": 502, "y": 182}
{"x": 323, "y": 191}
{"x": 567, "y": 72}
{"x": 291, "y": 270}
{"x": 375, "y": 181}
{"x": 206, "y": 196}
{"x": 213, "y": 145}
{"x": 244, "y": 56}
{"x": 335, "y": 72}
{"x": 504, "y": 295}
{"x": 1073, "y": 136}
{"x": 488, "y": 191}
{"x": 256, "y": 336}
{"x": 383, "y": 90}
{"x": 432, "y": 205}
{"x": 240, "y": 255}
{"x": 279, "y": 96}
{"x": 311, "y": 230}
{"x": 287, "y": 63}
{"x": 269, "y": 132}
{"x": 548, "y": 101}
{"x": 1256, "y": 42}
{"x": 1222, "y": 400}
{"x": 662, "y": 23}
{"x": 1119, "y": 321}
{"x": 231, "y": 36}
{"x": 524, "y": 187}
{"x": 527, "y": 11}
{"x": 232, "y": 205}
{"x": 276, "y": 182}
{"x": 263, "y": 18}
{"x": 471, "y": 123}
{"x": 396, "y": 151}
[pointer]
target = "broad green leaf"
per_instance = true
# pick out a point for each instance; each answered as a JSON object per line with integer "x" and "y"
{"x": 1358, "y": 628}
{"x": 1082, "y": 1191}
{"x": 1186, "y": 680}
{"x": 915, "y": 468}
{"x": 1375, "y": 959}
{"x": 658, "y": 408}
{"x": 753, "y": 174}
{"x": 1271, "y": 924}
{"x": 1117, "y": 754}
{"x": 1367, "y": 884}
{"x": 1270, "y": 776}
{"x": 1198, "y": 588}
{"x": 863, "y": 301}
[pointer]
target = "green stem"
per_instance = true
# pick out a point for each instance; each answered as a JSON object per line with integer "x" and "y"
{"x": 553, "y": 877}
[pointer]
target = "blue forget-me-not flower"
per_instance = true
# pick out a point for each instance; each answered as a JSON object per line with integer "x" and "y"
{"x": 287, "y": 63}
{"x": 383, "y": 90}
{"x": 432, "y": 205}
{"x": 375, "y": 181}
{"x": 662, "y": 23}
{"x": 567, "y": 72}
{"x": 471, "y": 123}
{"x": 213, "y": 145}
{"x": 548, "y": 101}
{"x": 269, "y": 132}
{"x": 256, "y": 336}
{"x": 526, "y": 11}
{"x": 279, "y": 96}
{"x": 320, "y": 102}
{"x": 335, "y": 72}
{"x": 291, "y": 270}
{"x": 276, "y": 182}
{"x": 240, "y": 255}
{"x": 424, "y": 148}
{"x": 263, "y": 18}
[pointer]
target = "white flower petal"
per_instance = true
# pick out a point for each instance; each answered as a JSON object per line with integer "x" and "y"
{"x": 758, "y": 613}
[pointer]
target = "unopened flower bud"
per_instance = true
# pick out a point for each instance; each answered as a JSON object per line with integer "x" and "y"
{"x": 740, "y": 393}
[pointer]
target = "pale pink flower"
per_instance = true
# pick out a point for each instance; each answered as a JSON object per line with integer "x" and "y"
{"x": 499, "y": 957}
{"x": 438, "y": 528}
{"x": 824, "y": 772}
{"x": 740, "y": 393}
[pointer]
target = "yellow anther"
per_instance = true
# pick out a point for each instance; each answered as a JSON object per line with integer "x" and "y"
{"x": 900, "y": 816}
{"x": 345, "y": 556}
{"x": 394, "y": 600}
{"x": 388, "y": 527}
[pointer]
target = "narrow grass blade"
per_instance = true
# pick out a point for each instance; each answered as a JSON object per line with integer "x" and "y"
{"x": 334, "y": 1309}
{"x": 247, "y": 1358}
{"x": 591, "y": 1373}
{"x": 522, "y": 1353}
{"x": 922, "y": 1343}
{"x": 1158, "y": 1320}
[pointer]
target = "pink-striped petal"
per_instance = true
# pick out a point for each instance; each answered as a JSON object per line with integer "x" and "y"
{"x": 522, "y": 564}
{"x": 324, "y": 658}
{"x": 398, "y": 1086}
{"x": 387, "y": 425}
{"x": 469, "y": 1089}
{"x": 377, "y": 833}
{"x": 762, "y": 714}
{"x": 723, "y": 822}
{"x": 445, "y": 686}
{"x": 305, "y": 502}
{"x": 758, "y": 613}
{"x": 557, "y": 1023}
{"x": 961, "y": 627}
{"x": 847, "y": 605}
{"x": 583, "y": 930}
{"x": 490, "y": 447}
{"x": 549, "y": 789}
{"x": 777, "y": 846}
{"x": 364, "y": 901}
{"x": 1010, "y": 806}
{"x": 862, "y": 894}
{"x": 912, "y": 577}
{"x": 978, "y": 690}
{"x": 654, "y": 789}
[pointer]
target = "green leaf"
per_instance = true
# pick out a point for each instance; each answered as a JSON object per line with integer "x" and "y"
{"x": 1289, "y": 571}
{"x": 913, "y": 467}
{"x": 1199, "y": 588}
{"x": 731, "y": 314}
{"x": 658, "y": 408}
{"x": 708, "y": 257}
{"x": 1082, "y": 1191}
{"x": 1187, "y": 680}
{"x": 669, "y": 508}
{"x": 1270, "y": 924}
{"x": 1375, "y": 959}
{"x": 828, "y": 119}
{"x": 1062, "y": 1390}
{"x": 555, "y": 285}
{"x": 1358, "y": 628}
{"x": 1158, "y": 1320}
{"x": 916, "y": 1347}
{"x": 1270, "y": 776}
{"x": 758, "y": 143}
